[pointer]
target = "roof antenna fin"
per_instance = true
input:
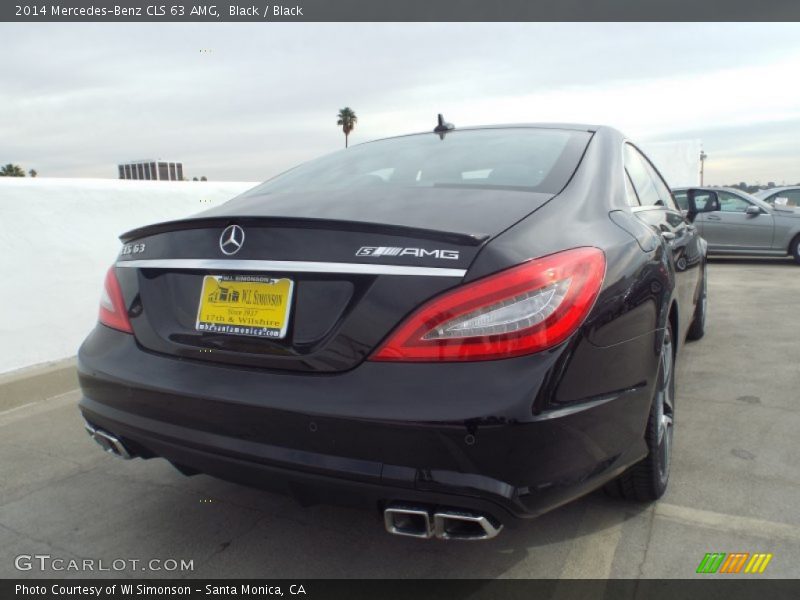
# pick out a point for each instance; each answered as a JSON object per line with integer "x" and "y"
{"x": 443, "y": 127}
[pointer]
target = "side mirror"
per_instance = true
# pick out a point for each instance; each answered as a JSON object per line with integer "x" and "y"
{"x": 752, "y": 210}
{"x": 701, "y": 201}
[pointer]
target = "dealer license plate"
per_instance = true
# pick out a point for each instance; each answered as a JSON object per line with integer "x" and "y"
{"x": 245, "y": 305}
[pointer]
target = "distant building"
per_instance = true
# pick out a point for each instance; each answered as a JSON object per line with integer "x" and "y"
{"x": 159, "y": 170}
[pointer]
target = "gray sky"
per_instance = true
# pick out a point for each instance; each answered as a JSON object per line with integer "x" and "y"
{"x": 259, "y": 98}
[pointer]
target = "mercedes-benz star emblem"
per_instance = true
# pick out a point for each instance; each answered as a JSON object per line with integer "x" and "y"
{"x": 231, "y": 240}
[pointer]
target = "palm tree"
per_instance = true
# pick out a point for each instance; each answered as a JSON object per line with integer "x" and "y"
{"x": 348, "y": 120}
{"x": 10, "y": 170}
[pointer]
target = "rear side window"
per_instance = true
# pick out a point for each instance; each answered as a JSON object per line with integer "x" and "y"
{"x": 645, "y": 188}
{"x": 630, "y": 193}
{"x": 648, "y": 183}
{"x": 792, "y": 198}
{"x": 664, "y": 193}
{"x": 527, "y": 159}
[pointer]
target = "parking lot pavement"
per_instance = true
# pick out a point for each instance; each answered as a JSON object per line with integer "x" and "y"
{"x": 735, "y": 484}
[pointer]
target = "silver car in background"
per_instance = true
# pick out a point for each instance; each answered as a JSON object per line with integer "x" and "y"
{"x": 734, "y": 222}
{"x": 782, "y": 196}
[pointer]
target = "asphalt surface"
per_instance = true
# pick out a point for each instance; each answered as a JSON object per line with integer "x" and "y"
{"x": 735, "y": 484}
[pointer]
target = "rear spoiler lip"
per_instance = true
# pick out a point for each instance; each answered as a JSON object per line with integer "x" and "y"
{"x": 464, "y": 239}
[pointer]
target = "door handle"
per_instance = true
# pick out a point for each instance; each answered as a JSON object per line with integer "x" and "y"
{"x": 714, "y": 218}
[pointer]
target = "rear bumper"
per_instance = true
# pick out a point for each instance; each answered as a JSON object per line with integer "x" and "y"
{"x": 449, "y": 435}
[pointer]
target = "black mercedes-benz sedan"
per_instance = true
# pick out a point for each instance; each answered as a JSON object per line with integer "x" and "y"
{"x": 459, "y": 329}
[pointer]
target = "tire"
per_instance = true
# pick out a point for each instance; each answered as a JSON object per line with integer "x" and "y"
{"x": 647, "y": 480}
{"x": 698, "y": 328}
{"x": 794, "y": 249}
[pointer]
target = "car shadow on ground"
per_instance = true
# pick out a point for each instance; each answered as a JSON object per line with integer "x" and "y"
{"x": 236, "y": 531}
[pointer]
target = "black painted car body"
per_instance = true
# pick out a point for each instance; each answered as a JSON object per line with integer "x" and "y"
{"x": 317, "y": 413}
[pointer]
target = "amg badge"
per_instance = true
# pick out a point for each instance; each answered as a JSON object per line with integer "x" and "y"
{"x": 395, "y": 251}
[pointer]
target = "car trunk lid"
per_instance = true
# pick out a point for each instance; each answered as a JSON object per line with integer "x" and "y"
{"x": 356, "y": 269}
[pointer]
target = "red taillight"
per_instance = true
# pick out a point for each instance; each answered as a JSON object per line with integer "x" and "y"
{"x": 112, "y": 304}
{"x": 522, "y": 310}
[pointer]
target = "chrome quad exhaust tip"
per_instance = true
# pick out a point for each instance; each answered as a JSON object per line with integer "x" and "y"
{"x": 445, "y": 525}
{"x": 108, "y": 442}
{"x": 411, "y": 522}
{"x": 460, "y": 525}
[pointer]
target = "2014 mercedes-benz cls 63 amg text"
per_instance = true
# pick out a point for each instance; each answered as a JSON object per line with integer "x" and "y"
{"x": 458, "y": 328}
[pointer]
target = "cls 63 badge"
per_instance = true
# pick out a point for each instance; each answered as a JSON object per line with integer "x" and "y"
{"x": 132, "y": 249}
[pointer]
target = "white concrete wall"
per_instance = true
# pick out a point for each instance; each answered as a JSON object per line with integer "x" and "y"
{"x": 57, "y": 239}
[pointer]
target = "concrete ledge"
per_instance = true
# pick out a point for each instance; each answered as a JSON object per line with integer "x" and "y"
{"x": 33, "y": 384}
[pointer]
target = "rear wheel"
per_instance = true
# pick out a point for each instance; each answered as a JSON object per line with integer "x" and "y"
{"x": 647, "y": 480}
{"x": 794, "y": 249}
{"x": 698, "y": 327}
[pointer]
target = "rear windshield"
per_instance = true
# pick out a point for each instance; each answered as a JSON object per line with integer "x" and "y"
{"x": 528, "y": 159}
